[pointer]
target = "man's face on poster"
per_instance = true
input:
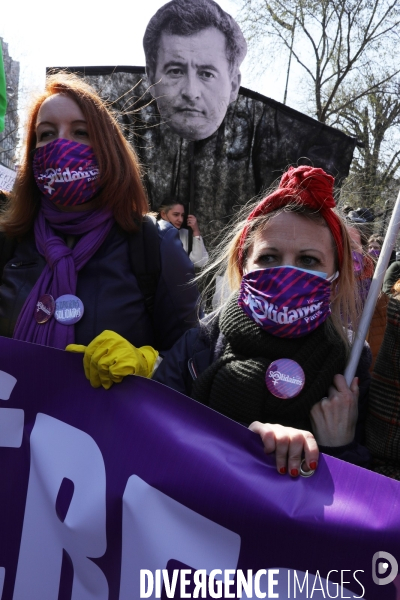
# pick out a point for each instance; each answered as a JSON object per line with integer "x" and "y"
{"x": 194, "y": 83}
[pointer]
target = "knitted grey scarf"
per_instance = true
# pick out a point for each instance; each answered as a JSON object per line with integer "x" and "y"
{"x": 234, "y": 384}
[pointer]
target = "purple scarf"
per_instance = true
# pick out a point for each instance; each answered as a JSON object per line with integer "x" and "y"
{"x": 59, "y": 276}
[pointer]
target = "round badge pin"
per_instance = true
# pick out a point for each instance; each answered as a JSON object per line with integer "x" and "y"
{"x": 285, "y": 378}
{"x": 44, "y": 308}
{"x": 69, "y": 309}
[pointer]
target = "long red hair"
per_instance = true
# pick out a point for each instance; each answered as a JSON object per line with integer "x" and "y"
{"x": 120, "y": 175}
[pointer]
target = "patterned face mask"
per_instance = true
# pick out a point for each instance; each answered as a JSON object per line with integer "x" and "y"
{"x": 286, "y": 301}
{"x": 374, "y": 253}
{"x": 66, "y": 172}
{"x": 358, "y": 262}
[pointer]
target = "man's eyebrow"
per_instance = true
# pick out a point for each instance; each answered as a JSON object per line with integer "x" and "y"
{"x": 174, "y": 63}
{"x": 177, "y": 63}
{"x": 208, "y": 68}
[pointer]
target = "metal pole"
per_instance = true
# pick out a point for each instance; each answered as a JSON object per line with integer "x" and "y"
{"x": 191, "y": 193}
{"x": 374, "y": 291}
{"x": 290, "y": 57}
{"x": 385, "y": 216}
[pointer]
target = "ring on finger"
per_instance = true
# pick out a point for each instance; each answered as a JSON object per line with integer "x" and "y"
{"x": 304, "y": 473}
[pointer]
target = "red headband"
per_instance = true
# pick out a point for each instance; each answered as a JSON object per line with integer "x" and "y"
{"x": 305, "y": 186}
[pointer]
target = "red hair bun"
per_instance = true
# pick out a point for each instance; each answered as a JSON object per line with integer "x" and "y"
{"x": 304, "y": 186}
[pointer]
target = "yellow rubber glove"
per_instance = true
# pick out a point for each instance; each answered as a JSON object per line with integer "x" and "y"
{"x": 110, "y": 357}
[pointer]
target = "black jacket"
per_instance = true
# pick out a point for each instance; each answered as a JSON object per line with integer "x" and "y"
{"x": 110, "y": 292}
{"x": 199, "y": 347}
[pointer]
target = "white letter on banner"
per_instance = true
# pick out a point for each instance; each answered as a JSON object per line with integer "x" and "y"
{"x": 228, "y": 582}
{"x": 11, "y": 419}
{"x": 244, "y": 584}
{"x": 156, "y": 529}
{"x": 170, "y": 586}
{"x": 145, "y": 573}
{"x": 200, "y": 579}
{"x": 7, "y": 384}
{"x": 257, "y": 591}
{"x": 185, "y": 582}
{"x": 215, "y": 586}
{"x": 272, "y": 583}
{"x": 60, "y": 451}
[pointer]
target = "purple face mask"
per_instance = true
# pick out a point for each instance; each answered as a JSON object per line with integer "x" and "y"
{"x": 66, "y": 172}
{"x": 374, "y": 253}
{"x": 358, "y": 262}
{"x": 285, "y": 301}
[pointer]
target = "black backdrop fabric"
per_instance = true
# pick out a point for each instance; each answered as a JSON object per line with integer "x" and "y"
{"x": 257, "y": 140}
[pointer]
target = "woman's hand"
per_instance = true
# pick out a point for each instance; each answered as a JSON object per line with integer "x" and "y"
{"x": 334, "y": 418}
{"x": 192, "y": 223}
{"x": 289, "y": 445}
{"x": 109, "y": 358}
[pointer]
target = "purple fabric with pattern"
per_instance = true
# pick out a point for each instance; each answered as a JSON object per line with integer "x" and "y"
{"x": 374, "y": 254}
{"x": 285, "y": 301}
{"x": 66, "y": 172}
{"x": 358, "y": 261}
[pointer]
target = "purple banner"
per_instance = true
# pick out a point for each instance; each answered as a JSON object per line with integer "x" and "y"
{"x": 140, "y": 492}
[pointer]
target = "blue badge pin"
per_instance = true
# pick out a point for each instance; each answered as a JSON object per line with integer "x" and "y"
{"x": 69, "y": 309}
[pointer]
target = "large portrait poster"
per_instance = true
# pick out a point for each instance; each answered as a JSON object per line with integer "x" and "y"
{"x": 204, "y": 141}
{"x": 140, "y": 492}
{"x": 258, "y": 139}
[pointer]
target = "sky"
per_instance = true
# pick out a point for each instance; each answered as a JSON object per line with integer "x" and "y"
{"x": 49, "y": 33}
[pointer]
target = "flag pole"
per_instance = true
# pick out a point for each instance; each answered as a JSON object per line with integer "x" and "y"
{"x": 3, "y": 90}
{"x": 374, "y": 291}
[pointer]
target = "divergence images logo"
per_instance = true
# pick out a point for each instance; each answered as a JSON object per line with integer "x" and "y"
{"x": 385, "y": 559}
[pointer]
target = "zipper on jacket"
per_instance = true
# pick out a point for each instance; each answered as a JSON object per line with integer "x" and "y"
{"x": 192, "y": 369}
{"x": 23, "y": 264}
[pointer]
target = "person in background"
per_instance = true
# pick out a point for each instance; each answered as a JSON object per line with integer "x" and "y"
{"x": 175, "y": 214}
{"x": 375, "y": 243}
{"x": 365, "y": 255}
{"x": 383, "y": 420}
{"x": 84, "y": 256}
{"x": 362, "y": 262}
{"x": 392, "y": 275}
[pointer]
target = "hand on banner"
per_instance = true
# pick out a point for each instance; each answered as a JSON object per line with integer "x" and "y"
{"x": 110, "y": 357}
{"x": 289, "y": 445}
{"x": 334, "y": 418}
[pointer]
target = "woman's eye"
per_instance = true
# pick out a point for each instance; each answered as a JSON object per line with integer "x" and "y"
{"x": 309, "y": 260}
{"x": 45, "y": 134}
{"x": 266, "y": 258}
{"x": 81, "y": 133}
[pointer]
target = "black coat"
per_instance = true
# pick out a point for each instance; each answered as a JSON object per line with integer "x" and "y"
{"x": 199, "y": 347}
{"x": 110, "y": 292}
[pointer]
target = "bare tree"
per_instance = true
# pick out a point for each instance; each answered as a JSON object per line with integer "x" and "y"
{"x": 333, "y": 41}
{"x": 374, "y": 120}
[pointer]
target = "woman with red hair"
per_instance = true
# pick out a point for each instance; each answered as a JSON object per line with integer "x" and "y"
{"x": 272, "y": 357}
{"x": 81, "y": 255}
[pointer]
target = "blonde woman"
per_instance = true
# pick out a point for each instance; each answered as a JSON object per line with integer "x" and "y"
{"x": 272, "y": 358}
